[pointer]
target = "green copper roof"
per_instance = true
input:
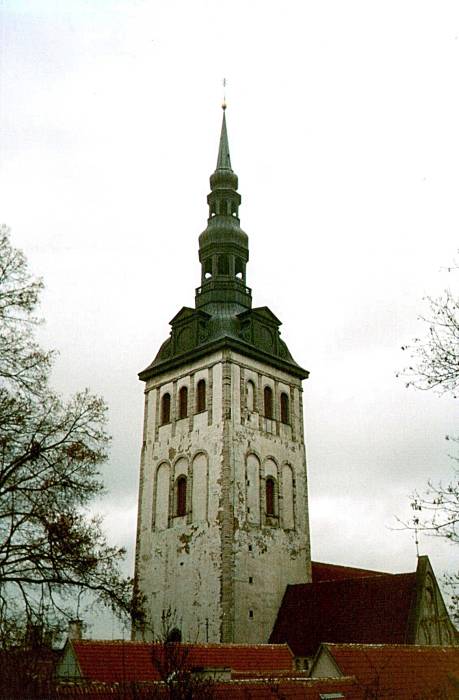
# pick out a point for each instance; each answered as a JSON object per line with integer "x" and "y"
{"x": 223, "y": 316}
{"x": 224, "y": 160}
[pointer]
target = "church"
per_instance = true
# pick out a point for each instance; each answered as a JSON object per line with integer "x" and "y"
{"x": 223, "y": 545}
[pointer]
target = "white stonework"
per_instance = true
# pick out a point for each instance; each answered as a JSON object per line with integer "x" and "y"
{"x": 223, "y": 566}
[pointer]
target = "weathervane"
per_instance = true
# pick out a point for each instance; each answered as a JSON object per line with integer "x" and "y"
{"x": 224, "y": 94}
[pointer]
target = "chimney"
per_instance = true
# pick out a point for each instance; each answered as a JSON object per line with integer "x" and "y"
{"x": 75, "y": 630}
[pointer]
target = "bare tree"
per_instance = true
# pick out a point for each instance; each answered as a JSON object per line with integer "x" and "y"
{"x": 173, "y": 664}
{"x": 435, "y": 366}
{"x": 435, "y": 357}
{"x": 50, "y": 453}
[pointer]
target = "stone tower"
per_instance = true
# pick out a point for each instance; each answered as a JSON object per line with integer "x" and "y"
{"x": 223, "y": 511}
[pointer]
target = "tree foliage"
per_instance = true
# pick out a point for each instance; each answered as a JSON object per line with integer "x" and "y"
{"x": 51, "y": 551}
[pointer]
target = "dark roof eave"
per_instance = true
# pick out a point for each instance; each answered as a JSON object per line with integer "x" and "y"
{"x": 224, "y": 342}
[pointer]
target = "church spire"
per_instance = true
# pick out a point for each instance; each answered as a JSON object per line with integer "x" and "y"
{"x": 223, "y": 246}
{"x": 224, "y": 160}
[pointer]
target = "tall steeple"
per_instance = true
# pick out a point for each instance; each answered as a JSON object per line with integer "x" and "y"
{"x": 222, "y": 526}
{"x": 223, "y": 246}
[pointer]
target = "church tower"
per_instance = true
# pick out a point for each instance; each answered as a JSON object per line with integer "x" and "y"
{"x": 223, "y": 511}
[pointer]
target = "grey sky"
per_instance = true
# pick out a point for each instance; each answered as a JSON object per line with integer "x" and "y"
{"x": 342, "y": 122}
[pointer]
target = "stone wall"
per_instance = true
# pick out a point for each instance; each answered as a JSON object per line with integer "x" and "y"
{"x": 221, "y": 568}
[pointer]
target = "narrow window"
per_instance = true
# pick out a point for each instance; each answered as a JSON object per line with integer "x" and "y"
{"x": 165, "y": 409}
{"x": 183, "y": 402}
{"x": 270, "y": 496}
{"x": 268, "y": 397}
{"x": 223, "y": 265}
{"x": 208, "y": 268}
{"x": 251, "y": 614}
{"x": 201, "y": 396}
{"x": 250, "y": 396}
{"x": 284, "y": 407}
{"x": 181, "y": 495}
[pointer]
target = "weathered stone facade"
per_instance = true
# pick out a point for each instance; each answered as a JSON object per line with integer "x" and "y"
{"x": 223, "y": 567}
{"x": 223, "y": 520}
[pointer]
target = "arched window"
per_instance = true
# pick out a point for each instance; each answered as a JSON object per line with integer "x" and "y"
{"x": 181, "y": 495}
{"x": 268, "y": 400}
{"x": 284, "y": 408}
{"x": 166, "y": 409}
{"x": 250, "y": 396}
{"x": 270, "y": 493}
{"x": 183, "y": 402}
{"x": 201, "y": 396}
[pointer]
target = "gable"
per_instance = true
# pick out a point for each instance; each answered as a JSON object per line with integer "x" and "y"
{"x": 430, "y": 621}
{"x": 67, "y": 666}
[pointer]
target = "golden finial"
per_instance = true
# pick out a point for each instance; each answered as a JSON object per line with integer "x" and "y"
{"x": 224, "y": 95}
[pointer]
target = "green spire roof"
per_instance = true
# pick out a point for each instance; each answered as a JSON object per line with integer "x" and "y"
{"x": 224, "y": 160}
{"x": 223, "y": 316}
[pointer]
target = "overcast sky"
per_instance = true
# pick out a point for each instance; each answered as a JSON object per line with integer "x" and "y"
{"x": 343, "y": 126}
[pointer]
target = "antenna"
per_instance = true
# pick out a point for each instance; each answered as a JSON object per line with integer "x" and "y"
{"x": 416, "y": 540}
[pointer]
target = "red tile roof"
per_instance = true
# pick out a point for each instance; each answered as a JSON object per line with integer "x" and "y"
{"x": 371, "y": 609}
{"x": 406, "y": 672}
{"x": 267, "y": 689}
{"x": 331, "y": 572}
{"x": 109, "y": 661}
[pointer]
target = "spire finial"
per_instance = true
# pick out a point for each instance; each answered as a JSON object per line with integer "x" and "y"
{"x": 224, "y": 95}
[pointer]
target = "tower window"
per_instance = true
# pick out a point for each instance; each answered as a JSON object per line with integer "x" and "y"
{"x": 250, "y": 396}
{"x": 201, "y": 396}
{"x": 270, "y": 492}
{"x": 268, "y": 401}
{"x": 183, "y": 402}
{"x": 251, "y": 614}
{"x": 207, "y": 268}
{"x": 284, "y": 408}
{"x": 239, "y": 268}
{"x": 181, "y": 495}
{"x": 223, "y": 265}
{"x": 165, "y": 409}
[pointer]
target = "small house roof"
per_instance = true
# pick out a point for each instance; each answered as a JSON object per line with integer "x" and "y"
{"x": 118, "y": 661}
{"x": 406, "y": 671}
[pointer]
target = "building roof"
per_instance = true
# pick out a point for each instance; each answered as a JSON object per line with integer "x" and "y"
{"x": 223, "y": 317}
{"x": 266, "y": 689}
{"x": 117, "y": 661}
{"x": 364, "y": 609}
{"x": 404, "y": 671}
{"x": 331, "y": 572}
